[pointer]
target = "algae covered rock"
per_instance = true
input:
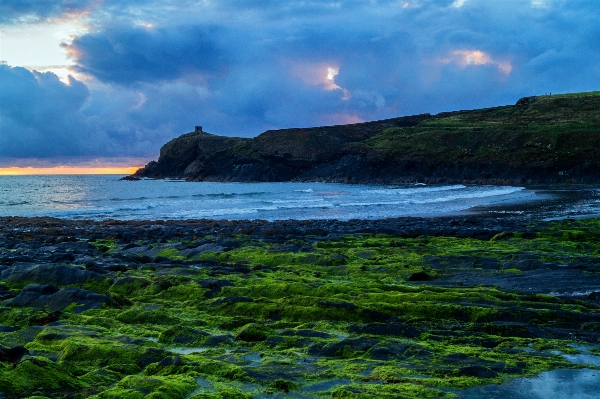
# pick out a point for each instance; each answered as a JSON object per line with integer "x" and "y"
{"x": 252, "y": 332}
{"x": 12, "y": 355}
{"x": 181, "y": 335}
{"x": 50, "y": 297}
{"x": 35, "y": 373}
{"x": 146, "y": 316}
{"x": 390, "y": 328}
{"x": 134, "y": 387}
{"x": 227, "y": 393}
{"x": 127, "y": 285}
{"x": 48, "y": 274}
{"x": 289, "y": 328}
{"x": 347, "y": 347}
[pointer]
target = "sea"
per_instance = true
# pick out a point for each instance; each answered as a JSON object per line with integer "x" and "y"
{"x": 100, "y": 197}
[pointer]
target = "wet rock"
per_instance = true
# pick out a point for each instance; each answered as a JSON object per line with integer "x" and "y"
{"x": 216, "y": 270}
{"x": 45, "y": 320}
{"x": 61, "y": 258}
{"x": 344, "y": 348}
{"x": 391, "y": 328}
{"x": 305, "y": 333}
{"x": 184, "y": 339}
{"x": 337, "y": 304}
{"x": 151, "y": 355}
{"x": 214, "y": 284}
{"x": 84, "y": 299}
{"x": 236, "y": 322}
{"x": 127, "y": 285}
{"x": 511, "y": 329}
{"x": 388, "y": 351}
{"x": 171, "y": 361}
{"x": 594, "y": 296}
{"x": 219, "y": 340}
{"x": 252, "y": 332}
{"x": 231, "y": 299}
{"x": 204, "y": 248}
{"x": 50, "y": 297}
{"x": 525, "y": 264}
{"x": 48, "y": 274}
{"x": 12, "y": 355}
{"x": 295, "y": 248}
{"x": 31, "y": 293}
{"x": 5, "y": 293}
{"x": 476, "y": 371}
{"x": 181, "y": 335}
{"x": 420, "y": 276}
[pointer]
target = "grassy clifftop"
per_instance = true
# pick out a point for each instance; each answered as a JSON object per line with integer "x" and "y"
{"x": 545, "y": 139}
{"x": 549, "y": 129}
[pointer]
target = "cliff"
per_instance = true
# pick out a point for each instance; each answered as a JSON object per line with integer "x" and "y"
{"x": 546, "y": 139}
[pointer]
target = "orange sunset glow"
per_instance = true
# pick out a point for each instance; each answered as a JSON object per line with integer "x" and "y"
{"x": 68, "y": 170}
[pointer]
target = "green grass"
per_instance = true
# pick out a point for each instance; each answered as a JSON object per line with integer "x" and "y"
{"x": 552, "y": 131}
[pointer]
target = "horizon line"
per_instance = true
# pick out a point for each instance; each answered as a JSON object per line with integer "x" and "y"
{"x": 68, "y": 170}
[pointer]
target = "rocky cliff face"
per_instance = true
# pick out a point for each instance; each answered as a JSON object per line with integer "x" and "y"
{"x": 186, "y": 155}
{"x": 540, "y": 140}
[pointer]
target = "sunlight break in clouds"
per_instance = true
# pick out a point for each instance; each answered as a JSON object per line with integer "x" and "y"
{"x": 318, "y": 74}
{"x": 465, "y": 58}
{"x": 330, "y": 78}
{"x": 37, "y": 46}
{"x": 331, "y": 85}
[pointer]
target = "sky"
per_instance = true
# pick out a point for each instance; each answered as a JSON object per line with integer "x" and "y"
{"x": 105, "y": 83}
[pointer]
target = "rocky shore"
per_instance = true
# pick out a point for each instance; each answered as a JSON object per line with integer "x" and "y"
{"x": 394, "y": 308}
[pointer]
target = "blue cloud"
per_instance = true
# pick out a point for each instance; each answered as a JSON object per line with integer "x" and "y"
{"x": 40, "y": 114}
{"x": 14, "y": 11}
{"x": 127, "y": 55}
{"x": 241, "y": 67}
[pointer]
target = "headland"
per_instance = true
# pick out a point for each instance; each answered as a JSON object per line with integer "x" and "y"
{"x": 539, "y": 140}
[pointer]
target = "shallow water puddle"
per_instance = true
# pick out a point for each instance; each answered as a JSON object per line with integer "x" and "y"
{"x": 326, "y": 385}
{"x": 187, "y": 351}
{"x": 204, "y": 386}
{"x": 556, "y": 384}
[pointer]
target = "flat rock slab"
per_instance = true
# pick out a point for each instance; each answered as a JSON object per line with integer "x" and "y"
{"x": 50, "y": 297}
{"x": 48, "y": 273}
{"x": 572, "y": 282}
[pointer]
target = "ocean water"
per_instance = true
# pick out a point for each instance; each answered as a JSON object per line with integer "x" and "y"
{"x": 106, "y": 197}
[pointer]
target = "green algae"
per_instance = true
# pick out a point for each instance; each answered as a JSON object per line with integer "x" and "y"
{"x": 37, "y": 373}
{"x": 139, "y": 387}
{"x": 309, "y": 320}
{"x": 106, "y": 245}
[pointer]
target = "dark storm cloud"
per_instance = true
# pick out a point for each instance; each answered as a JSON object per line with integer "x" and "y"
{"x": 241, "y": 67}
{"x": 127, "y": 55}
{"x": 39, "y": 114}
{"x": 42, "y": 117}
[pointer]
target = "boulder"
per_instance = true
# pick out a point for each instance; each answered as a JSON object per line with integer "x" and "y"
{"x": 47, "y": 273}
{"x": 50, "y": 297}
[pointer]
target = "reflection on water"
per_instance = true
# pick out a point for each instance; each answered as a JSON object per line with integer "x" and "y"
{"x": 556, "y": 384}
